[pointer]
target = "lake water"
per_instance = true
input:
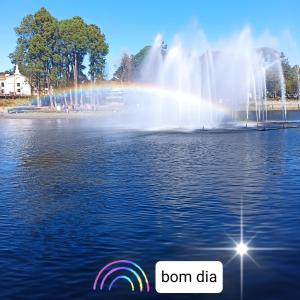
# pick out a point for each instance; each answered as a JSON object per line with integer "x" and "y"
{"x": 74, "y": 196}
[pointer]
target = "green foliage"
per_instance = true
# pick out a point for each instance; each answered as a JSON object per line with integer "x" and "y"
{"x": 98, "y": 49}
{"x": 36, "y": 42}
{"x": 123, "y": 73}
{"x": 137, "y": 61}
{"x": 129, "y": 68}
{"x": 290, "y": 75}
{"x": 51, "y": 52}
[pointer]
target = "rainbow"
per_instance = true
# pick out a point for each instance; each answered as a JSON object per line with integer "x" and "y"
{"x": 122, "y": 265}
{"x": 150, "y": 89}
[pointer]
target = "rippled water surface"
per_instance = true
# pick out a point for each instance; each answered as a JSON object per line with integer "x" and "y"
{"x": 74, "y": 197}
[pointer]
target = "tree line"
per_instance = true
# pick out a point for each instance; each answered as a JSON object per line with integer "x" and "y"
{"x": 130, "y": 65}
{"x": 50, "y": 53}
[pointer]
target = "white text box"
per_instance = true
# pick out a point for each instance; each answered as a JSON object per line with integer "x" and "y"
{"x": 189, "y": 277}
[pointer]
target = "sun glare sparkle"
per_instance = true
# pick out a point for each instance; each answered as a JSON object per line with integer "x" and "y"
{"x": 241, "y": 249}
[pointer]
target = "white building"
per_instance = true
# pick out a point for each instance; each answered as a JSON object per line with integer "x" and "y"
{"x": 14, "y": 85}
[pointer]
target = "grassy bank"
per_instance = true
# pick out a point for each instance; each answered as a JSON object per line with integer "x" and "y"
{"x": 4, "y": 103}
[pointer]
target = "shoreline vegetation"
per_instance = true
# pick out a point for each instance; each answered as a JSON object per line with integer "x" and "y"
{"x": 10, "y": 103}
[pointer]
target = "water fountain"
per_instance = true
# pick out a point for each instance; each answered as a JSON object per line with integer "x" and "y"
{"x": 189, "y": 85}
{"x": 193, "y": 86}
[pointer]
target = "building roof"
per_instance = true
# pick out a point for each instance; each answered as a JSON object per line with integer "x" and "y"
{"x": 2, "y": 76}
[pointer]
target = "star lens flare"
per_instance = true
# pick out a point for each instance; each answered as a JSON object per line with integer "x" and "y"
{"x": 242, "y": 249}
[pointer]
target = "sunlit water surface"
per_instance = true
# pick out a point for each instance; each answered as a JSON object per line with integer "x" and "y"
{"x": 74, "y": 196}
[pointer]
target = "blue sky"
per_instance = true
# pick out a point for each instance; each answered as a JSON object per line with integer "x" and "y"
{"x": 130, "y": 25}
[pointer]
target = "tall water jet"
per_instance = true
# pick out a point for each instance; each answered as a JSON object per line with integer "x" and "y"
{"x": 197, "y": 86}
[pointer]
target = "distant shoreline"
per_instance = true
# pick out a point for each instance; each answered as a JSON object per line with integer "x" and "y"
{"x": 55, "y": 115}
{"x": 272, "y": 106}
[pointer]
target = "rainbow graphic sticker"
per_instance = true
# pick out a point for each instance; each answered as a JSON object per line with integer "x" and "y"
{"x": 122, "y": 270}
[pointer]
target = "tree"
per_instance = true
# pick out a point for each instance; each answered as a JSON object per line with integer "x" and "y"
{"x": 97, "y": 49}
{"x": 130, "y": 66}
{"x": 36, "y": 46}
{"x": 290, "y": 75}
{"x": 73, "y": 34}
{"x": 123, "y": 73}
{"x": 273, "y": 80}
{"x": 137, "y": 61}
{"x": 51, "y": 52}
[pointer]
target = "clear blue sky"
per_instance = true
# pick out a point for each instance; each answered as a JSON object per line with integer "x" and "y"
{"x": 131, "y": 24}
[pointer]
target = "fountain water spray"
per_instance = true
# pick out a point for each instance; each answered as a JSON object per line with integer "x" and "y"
{"x": 189, "y": 85}
{"x": 207, "y": 88}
